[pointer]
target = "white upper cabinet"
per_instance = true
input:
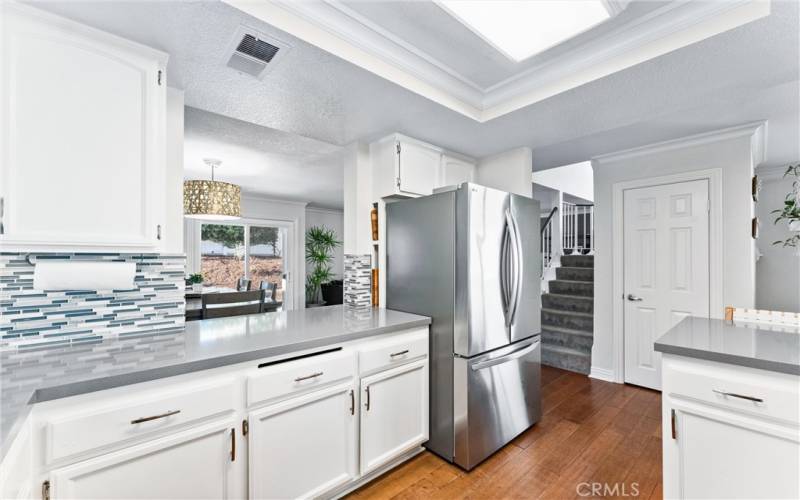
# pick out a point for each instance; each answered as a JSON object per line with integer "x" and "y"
{"x": 455, "y": 170}
{"x": 404, "y": 167}
{"x": 81, "y": 137}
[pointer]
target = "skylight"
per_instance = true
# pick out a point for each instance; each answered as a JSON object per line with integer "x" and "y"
{"x": 522, "y": 28}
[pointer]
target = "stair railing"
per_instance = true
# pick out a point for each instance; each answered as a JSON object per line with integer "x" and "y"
{"x": 547, "y": 242}
{"x": 577, "y": 228}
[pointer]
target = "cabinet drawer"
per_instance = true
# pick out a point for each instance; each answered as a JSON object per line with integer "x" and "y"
{"x": 103, "y": 427}
{"x": 707, "y": 381}
{"x": 394, "y": 351}
{"x": 302, "y": 375}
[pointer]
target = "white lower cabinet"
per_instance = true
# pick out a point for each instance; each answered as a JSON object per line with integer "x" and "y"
{"x": 729, "y": 431}
{"x": 313, "y": 424}
{"x": 191, "y": 464}
{"x": 394, "y": 413}
{"x": 303, "y": 447}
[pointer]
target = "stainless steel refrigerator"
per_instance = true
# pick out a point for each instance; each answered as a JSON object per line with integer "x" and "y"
{"x": 469, "y": 257}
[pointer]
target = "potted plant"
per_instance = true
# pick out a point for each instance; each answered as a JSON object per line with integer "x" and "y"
{"x": 791, "y": 208}
{"x": 333, "y": 292}
{"x": 320, "y": 243}
{"x": 196, "y": 280}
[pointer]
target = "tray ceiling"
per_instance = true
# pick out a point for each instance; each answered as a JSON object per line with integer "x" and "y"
{"x": 425, "y": 49}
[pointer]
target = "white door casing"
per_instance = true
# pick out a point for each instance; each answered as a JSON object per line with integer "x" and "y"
{"x": 665, "y": 269}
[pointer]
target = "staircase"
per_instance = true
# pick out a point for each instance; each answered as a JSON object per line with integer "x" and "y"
{"x": 568, "y": 315}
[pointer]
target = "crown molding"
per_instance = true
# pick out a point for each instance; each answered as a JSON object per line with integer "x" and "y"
{"x": 335, "y": 28}
{"x": 323, "y": 210}
{"x": 755, "y": 130}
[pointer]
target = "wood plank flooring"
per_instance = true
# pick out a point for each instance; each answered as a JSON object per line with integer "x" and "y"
{"x": 592, "y": 433}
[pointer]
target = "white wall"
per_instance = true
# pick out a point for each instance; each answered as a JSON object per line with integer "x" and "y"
{"x": 173, "y": 231}
{"x": 732, "y": 151}
{"x": 778, "y": 269}
{"x": 332, "y": 219}
{"x": 509, "y": 171}
{"x": 576, "y": 179}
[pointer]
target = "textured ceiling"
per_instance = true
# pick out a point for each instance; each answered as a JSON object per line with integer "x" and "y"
{"x": 746, "y": 74}
{"x": 263, "y": 161}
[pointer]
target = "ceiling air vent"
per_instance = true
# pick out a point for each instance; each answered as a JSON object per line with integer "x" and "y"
{"x": 254, "y": 53}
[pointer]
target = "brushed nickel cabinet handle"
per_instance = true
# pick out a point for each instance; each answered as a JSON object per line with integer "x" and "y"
{"x": 313, "y": 375}
{"x": 352, "y": 402}
{"x": 398, "y": 353}
{"x": 367, "y": 405}
{"x": 155, "y": 417}
{"x": 634, "y": 298}
{"x": 740, "y": 396}
{"x": 158, "y": 232}
{"x": 233, "y": 445}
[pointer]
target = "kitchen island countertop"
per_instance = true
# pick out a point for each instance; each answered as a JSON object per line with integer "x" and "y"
{"x": 29, "y": 376}
{"x": 772, "y": 348}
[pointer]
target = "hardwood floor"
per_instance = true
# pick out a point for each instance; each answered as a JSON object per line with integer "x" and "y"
{"x": 592, "y": 434}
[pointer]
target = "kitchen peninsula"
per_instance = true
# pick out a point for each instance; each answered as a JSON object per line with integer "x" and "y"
{"x": 294, "y": 395}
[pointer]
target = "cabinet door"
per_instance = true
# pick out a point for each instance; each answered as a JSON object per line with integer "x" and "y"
{"x": 394, "y": 413}
{"x": 192, "y": 464}
{"x": 418, "y": 168}
{"x": 724, "y": 455}
{"x": 303, "y": 447}
{"x": 81, "y": 135}
{"x": 454, "y": 171}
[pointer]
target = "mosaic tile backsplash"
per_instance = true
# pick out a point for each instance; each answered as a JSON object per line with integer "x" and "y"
{"x": 357, "y": 280}
{"x": 38, "y": 318}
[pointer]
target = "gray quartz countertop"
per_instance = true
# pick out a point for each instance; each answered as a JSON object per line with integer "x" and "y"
{"x": 773, "y": 348}
{"x": 31, "y": 376}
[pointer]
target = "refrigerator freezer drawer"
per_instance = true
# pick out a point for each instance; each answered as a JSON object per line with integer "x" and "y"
{"x": 496, "y": 397}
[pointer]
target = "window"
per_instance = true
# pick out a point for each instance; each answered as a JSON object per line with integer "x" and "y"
{"x": 522, "y": 28}
{"x": 229, "y": 252}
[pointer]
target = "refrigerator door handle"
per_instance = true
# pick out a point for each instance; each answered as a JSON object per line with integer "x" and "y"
{"x": 518, "y": 353}
{"x": 516, "y": 274}
{"x": 505, "y": 289}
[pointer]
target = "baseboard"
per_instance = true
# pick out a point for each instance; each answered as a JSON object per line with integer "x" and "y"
{"x": 344, "y": 490}
{"x": 602, "y": 374}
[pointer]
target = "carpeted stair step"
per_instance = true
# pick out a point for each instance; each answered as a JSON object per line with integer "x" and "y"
{"x": 575, "y": 273}
{"x": 568, "y": 319}
{"x": 564, "y": 337}
{"x": 567, "y": 287}
{"x": 568, "y": 303}
{"x": 566, "y": 358}
{"x": 577, "y": 260}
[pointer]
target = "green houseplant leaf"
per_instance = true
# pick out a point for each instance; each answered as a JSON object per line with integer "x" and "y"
{"x": 320, "y": 243}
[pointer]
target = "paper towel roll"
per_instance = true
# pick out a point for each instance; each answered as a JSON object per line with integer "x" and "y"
{"x": 83, "y": 275}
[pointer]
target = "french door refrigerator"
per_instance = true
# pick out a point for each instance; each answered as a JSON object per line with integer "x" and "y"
{"x": 469, "y": 257}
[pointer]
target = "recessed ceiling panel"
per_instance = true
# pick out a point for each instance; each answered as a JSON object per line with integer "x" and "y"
{"x": 520, "y": 28}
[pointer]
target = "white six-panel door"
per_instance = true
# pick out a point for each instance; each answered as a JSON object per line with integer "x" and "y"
{"x": 666, "y": 269}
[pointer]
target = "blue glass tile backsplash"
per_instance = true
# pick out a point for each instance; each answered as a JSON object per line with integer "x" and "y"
{"x": 37, "y": 318}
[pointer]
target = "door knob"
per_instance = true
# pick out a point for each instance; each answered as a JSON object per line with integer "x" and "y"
{"x": 634, "y": 298}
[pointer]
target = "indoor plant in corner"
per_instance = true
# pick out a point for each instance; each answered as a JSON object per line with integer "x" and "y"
{"x": 320, "y": 243}
{"x": 791, "y": 209}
